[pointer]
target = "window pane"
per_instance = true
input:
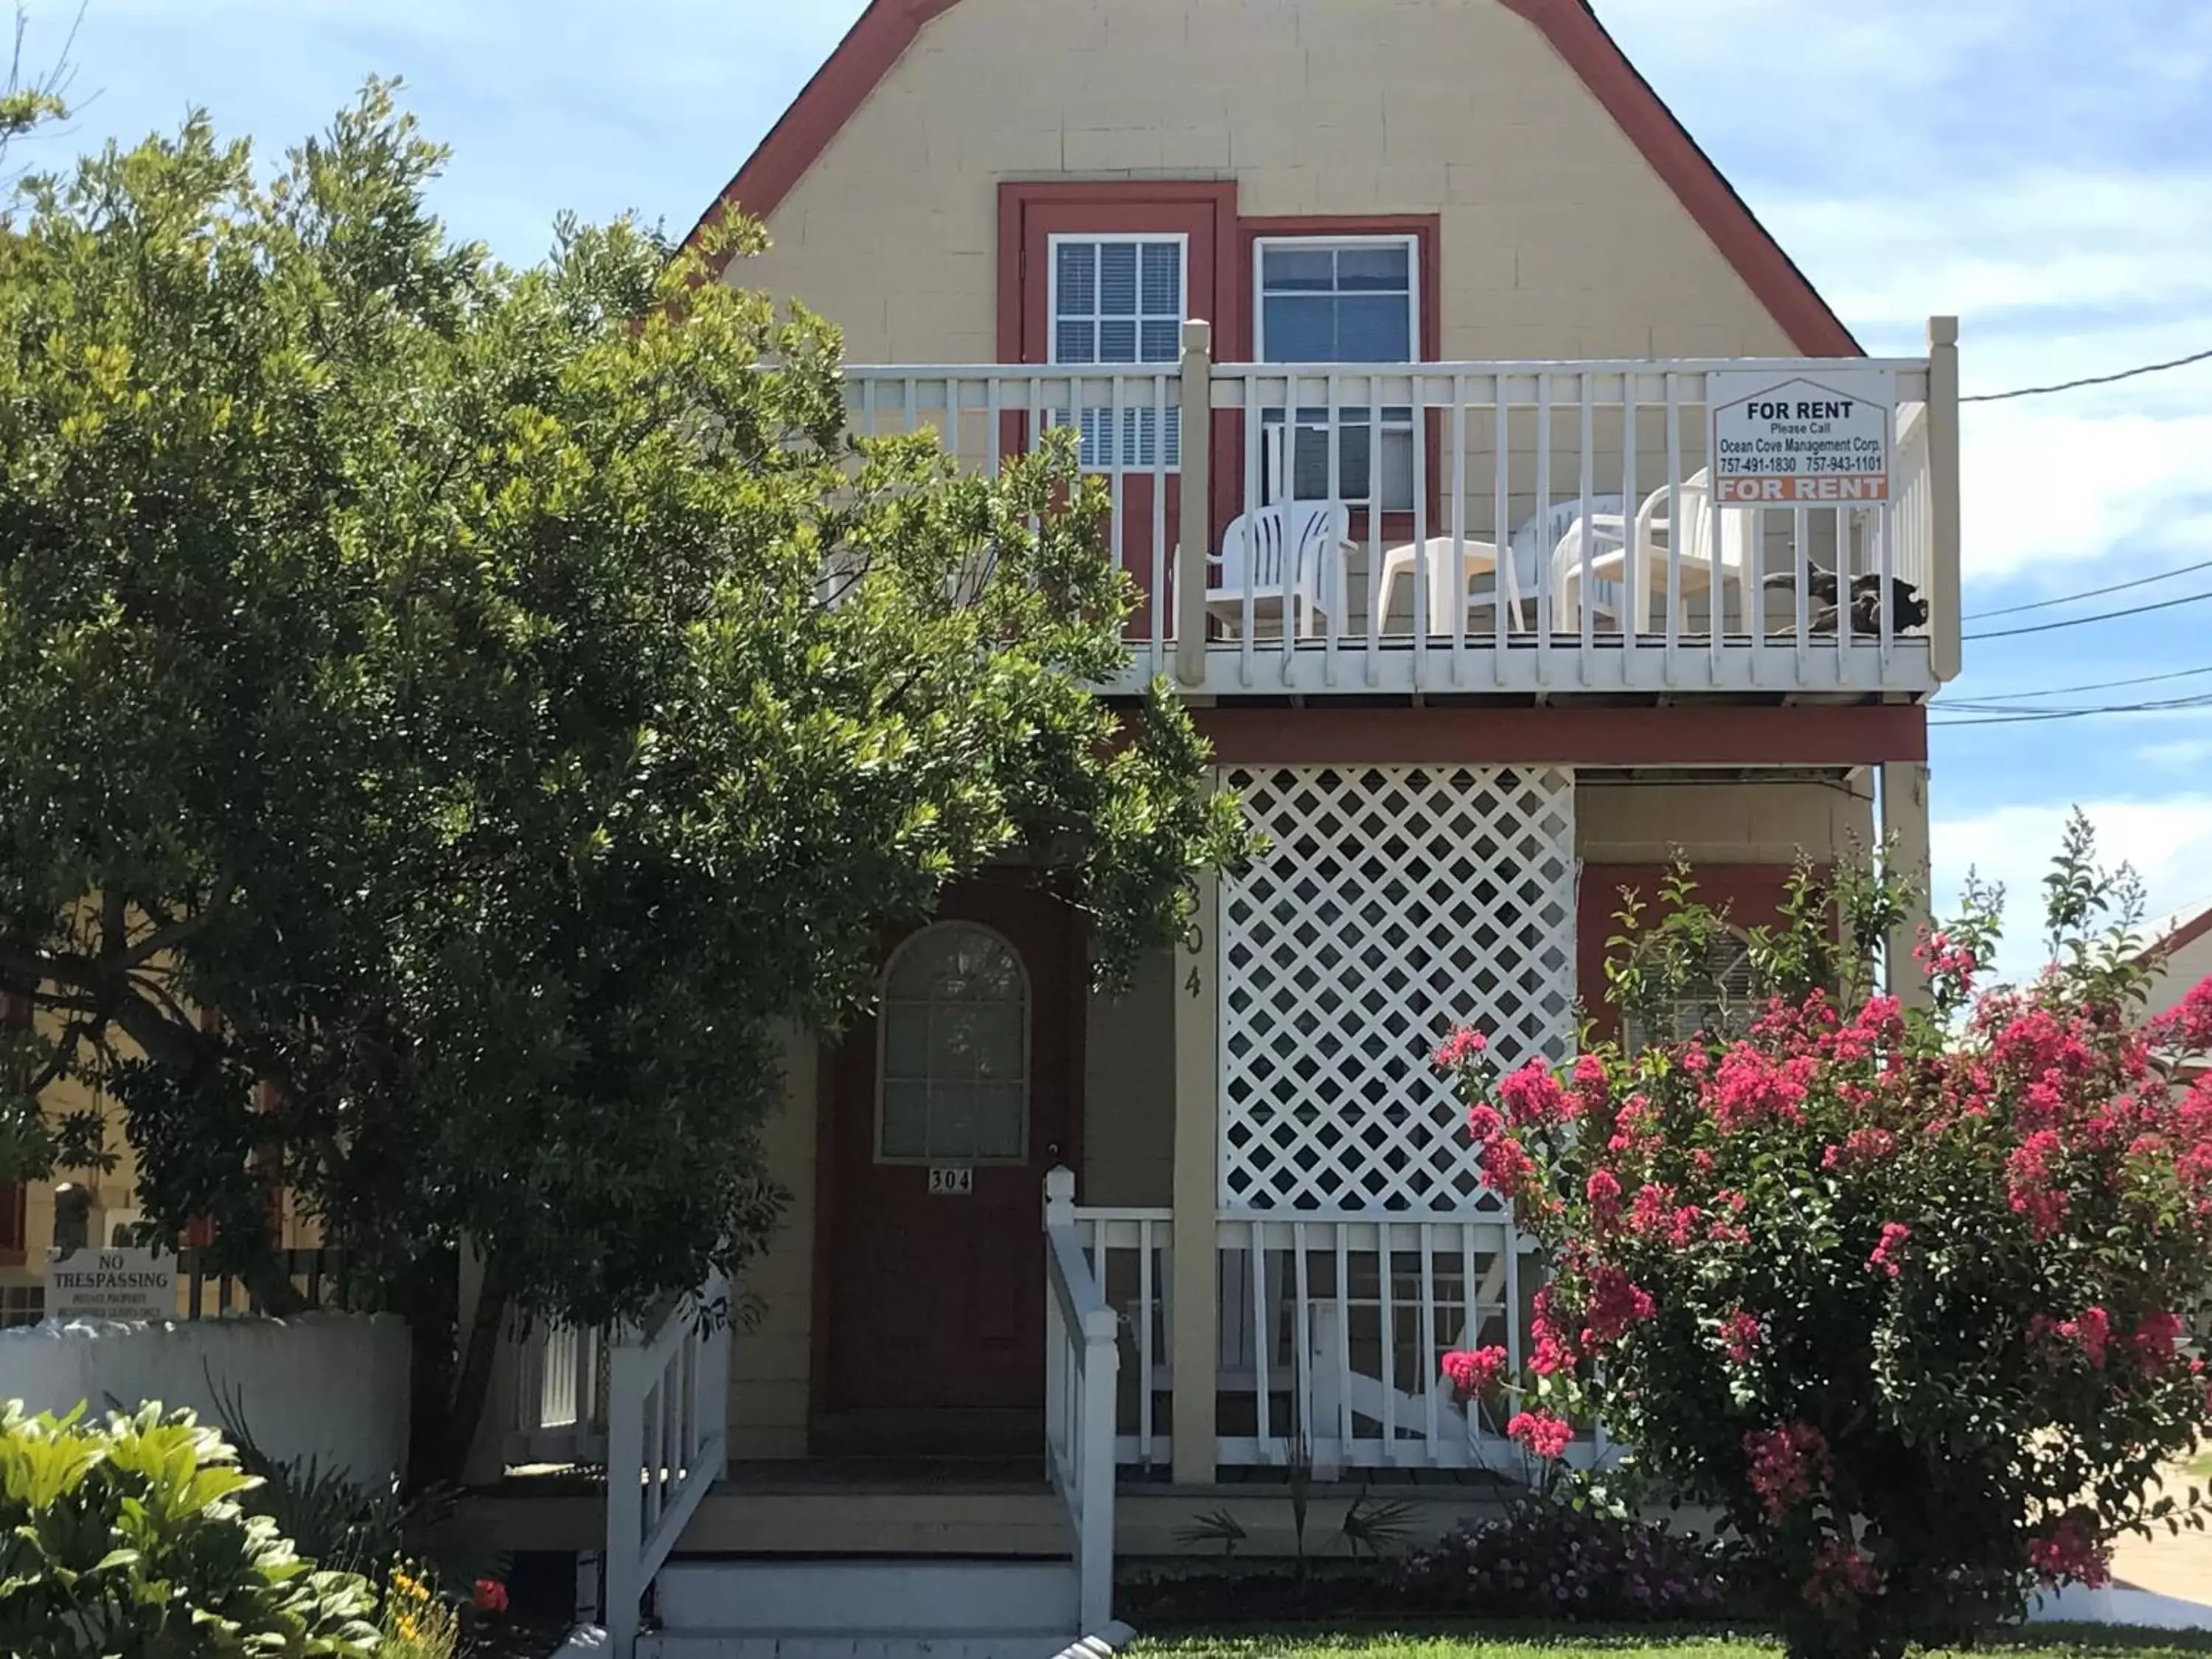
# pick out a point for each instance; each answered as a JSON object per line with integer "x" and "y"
{"x": 1373, "y": 268}
{"x": 1117, "y": 342}
{"x": 1079, "y": 279}
{"x": 1373, "y": 329}
{"x": 1162, "y": 342}
{"x": 998, "y": 1123}
{"x": 1397, "y": 470}
{"x": 952, "y": 1122}
{"x": 1164, "y": 279}
{"x": 1076, "y": 342}
{"x": 1117, "y": 279}
{"x": 906, "y": 1120}
{"x": 906, "y": 1040}
{"x": 1300, "y": 331}
{"x": 1311, "y": 268}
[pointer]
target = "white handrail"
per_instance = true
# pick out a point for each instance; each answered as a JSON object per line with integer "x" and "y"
{"x": 1083, "y": 1359}
{"x": 667, "y": 1441}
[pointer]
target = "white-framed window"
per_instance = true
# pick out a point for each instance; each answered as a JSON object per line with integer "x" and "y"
{"x": 1121, "y": 300}
{"x": 953, "y": 1050}
{"x": 1340, "y": 299}
{"x": 1718, "y": 1000}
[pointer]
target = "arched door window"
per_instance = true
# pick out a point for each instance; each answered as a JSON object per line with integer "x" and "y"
{"x": 953, "y": 1071}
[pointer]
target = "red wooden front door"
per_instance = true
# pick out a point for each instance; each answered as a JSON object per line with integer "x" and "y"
{"x": 946, "y": 1108}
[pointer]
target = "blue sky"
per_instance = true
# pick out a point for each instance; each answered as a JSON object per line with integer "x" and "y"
{"x": 2040, "y": 167}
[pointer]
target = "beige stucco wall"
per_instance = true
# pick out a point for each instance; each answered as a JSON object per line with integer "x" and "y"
{"x": 770, "y": 1362}
{"x": 1723, "y": 823}
{"x": 2182, "y": 971}
{"x": 1558, "y": 239}
{"x": 1128, "y": 1091}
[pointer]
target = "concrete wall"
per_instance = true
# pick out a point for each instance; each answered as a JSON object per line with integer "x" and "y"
{"x": 1557, "y": 237}
{"x": 329, "y": 1386}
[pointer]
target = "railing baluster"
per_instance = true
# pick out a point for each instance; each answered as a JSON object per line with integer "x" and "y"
{"x": 1145, "y": 1342}
{"x": 1260, "y": 1323}
{"x": 1343, "y": 1340}
{"x": 1586, "y": 480}
{"x": 1374, "y": 529}
{"x": 1801, "y": 542}
{"x": 1430, "y": 1352}
{"x": 1636, "y": 579}
{"x": 1301, "y": 1334}
{"x": 1470, "y": 1312}
{"x": 1160, "y": 585}
{"x": 1423, "y": 620}
{"x": 1544, "y": 621}
{"x": 1459, "y": 537}
{"x": 1333, "y": 414}
{"x": 1843, "y": 579}
{"x": 1881, "y": 524}
{"x": 1254, "y": 444}
{"x": 1501, "y": 532}
{"x": 1386, "y": 1283}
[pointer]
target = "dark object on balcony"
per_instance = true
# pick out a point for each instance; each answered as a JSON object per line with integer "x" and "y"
{"x": 1907, "y": 609}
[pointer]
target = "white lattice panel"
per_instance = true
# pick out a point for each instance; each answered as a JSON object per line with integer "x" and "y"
{"x": 1396, "y": 902}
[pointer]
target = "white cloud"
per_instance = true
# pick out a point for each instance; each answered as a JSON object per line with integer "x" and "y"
{"x": 2168, "y": 841}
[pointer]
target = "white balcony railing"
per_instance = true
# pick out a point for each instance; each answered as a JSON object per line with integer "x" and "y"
{"x": 1081, "y": 1364}
{"x": 1501, "y": 527}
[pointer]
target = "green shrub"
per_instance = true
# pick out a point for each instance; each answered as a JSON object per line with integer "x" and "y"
{"x": 127, "y": 1540}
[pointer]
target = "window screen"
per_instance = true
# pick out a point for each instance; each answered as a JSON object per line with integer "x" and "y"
{"x": 1323, "y": 302}
{"x": 954, "y": 1059}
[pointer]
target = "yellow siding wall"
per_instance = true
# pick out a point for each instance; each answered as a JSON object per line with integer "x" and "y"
{"x": 770, "y": 1364}
{"x": 1558, "y": 239}
{"x": 1721, "y": 822}
{"x": 2182, "y": 969}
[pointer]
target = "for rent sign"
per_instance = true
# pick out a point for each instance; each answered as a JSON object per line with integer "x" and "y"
{"x": 1780, "y": 438}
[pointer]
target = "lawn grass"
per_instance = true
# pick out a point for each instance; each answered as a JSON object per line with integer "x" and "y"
{"x": 1566, "y": 1642}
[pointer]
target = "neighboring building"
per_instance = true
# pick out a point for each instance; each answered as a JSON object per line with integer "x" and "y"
{"x": 2182, "y": 946}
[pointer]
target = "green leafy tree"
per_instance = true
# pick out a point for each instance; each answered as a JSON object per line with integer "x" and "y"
{"x": 1895, "y": 1292}
{"x": 504, "y": 696}
{"x": 126, "y": 1541}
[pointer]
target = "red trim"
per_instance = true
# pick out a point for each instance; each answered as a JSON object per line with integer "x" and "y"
{"x": 2188, "y": 933}
{"x": 1682, "y": 735}
{"x": 1133, "y": 205}
{"x": 888, "y": 28}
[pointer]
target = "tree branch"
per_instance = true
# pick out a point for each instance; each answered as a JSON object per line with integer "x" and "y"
{"x": 178, "y": 929}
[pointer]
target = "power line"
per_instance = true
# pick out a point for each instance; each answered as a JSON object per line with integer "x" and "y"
{"x": 2096, "y": 685}
{"x": 2037, "y": 716}
{"x": 2102, "y": 615}
{"x": 2089, "y": 593}
{"x": 2088, "y": 379}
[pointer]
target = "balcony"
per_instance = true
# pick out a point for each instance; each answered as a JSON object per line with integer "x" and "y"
{"x": 1532, "y": 530}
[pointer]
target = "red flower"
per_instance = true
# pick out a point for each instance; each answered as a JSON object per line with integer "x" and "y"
{"x": 2092, "y": 1328}
{"x": 1838, "y": 1572}
{"x": 2031, "y": 1190}
{"x": 1532, "y": 1095}
{"x": 2188, "y": 1024}
{"x": 1475, "y": 1373}
{"x": 1785, "y": 1463}
{"x": 1507, "y": 1168}
{"x": 1615, "y": 1304}
{"x": 2155, "y": 1334}
{"x": 1546, "y": 1436}
{"x": 1894, "y": 1236}
{"x": 489, "y": 1596}
{"x": 1751, "y": 1087}
{"x": 2070, "y": 1547}
{"x": 1461, "y": 1046}
{"x": 1741, "y": 1332}
{"x": 1603, "y": 1191}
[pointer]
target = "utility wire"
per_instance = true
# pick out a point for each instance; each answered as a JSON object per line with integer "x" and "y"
{"x": 2088, "y": 593}
{"x": 2096, "y": 685}
{"x": 2088, "y": 379}
{"x": 2102, "y": 615}
{"x": 2037, "y": 716}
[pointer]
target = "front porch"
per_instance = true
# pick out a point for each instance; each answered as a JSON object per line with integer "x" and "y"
{"x": 1172, "y": 1252}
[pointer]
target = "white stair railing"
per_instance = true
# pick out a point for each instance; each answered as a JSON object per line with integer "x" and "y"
{"x": 1082, "y": 1362}
{"x": 667, "y": 1441}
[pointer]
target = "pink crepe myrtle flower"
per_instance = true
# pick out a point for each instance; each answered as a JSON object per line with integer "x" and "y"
{"x": 1895, "y": 1235}
{"x": 1542, "y": 1433}
{"x": 1461, "y": 1046}
{"x": 1477, "y": 1372}
{"x": 1784, "y": 1465}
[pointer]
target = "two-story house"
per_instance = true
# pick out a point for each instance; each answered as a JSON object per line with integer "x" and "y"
{"x": 1514, "y": 514}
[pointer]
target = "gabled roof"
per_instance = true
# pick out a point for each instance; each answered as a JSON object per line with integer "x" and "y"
{"x": 887, "y": 28}
{"x": 2173, "y": 932}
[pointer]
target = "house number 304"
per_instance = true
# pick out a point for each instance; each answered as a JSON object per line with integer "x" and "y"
{"x": 951, "y": 1181}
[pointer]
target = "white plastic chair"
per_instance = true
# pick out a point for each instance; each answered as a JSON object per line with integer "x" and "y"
{"x": 1288, "y": 553}
{"x": 1605, "y": 549}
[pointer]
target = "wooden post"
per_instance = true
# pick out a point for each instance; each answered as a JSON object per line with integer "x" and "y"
{"x": 623, "y": 1575}
{"x": 1193, "y": 544}
{"x": 1194, "y": 1335}
{"x": 1943, "y": 621}
{"x": 1102, "y": 1364}
{"x": 1905, "y": 829}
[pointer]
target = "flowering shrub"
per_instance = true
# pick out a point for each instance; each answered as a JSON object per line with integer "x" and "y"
{"x": 1891, "y": 1290}
{"x": 1546, "y": 1560}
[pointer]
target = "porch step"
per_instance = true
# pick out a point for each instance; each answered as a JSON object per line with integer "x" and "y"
{"x": 850, "y": 1600}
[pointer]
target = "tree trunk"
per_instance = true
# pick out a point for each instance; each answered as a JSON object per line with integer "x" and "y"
{"x": 432, "y": 1304}
{"x": 479, "y": 1352}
